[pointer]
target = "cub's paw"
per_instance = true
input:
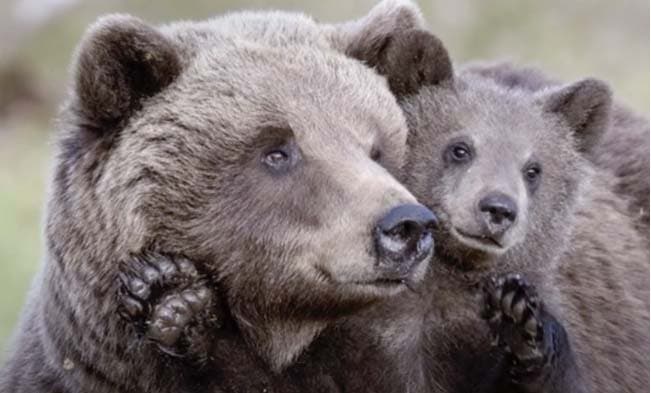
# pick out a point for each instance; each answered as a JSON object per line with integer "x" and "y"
{"x": 519, "y": 323}
{"x": 170, "y": 303}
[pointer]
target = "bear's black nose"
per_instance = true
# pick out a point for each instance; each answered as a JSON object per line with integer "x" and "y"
{"x": 498, "y": 212}
{"x": 403, "y": 238}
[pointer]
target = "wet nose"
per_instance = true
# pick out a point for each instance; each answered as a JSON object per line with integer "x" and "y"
{"x": 498, "y": 212}
{"x": 404, "y": 237}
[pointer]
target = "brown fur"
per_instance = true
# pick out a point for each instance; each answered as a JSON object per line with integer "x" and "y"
{"x": 162, "y": 149}
{"x": 378, "y": 349}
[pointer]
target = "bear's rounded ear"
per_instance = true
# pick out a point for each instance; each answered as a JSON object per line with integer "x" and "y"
{"x": 584, "y": 106}
{"x": 392, "y": 39}
{"x": 120, "y": 61}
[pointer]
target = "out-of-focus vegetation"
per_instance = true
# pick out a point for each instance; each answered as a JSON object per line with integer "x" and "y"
{"x": 570, "y": 39}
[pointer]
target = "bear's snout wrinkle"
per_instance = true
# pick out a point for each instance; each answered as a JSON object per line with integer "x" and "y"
{"x": 404, "y": 239}
{"x": 497, "y": 212}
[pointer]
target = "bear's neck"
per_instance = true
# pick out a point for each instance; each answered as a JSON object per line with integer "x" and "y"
{"x": 279, "y": 342}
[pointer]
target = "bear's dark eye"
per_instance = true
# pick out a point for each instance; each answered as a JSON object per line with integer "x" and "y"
{"x": 276, "y": 158}
{"x": 281, "y": 158}
{"x": 532, "y": 174}
{"x": 459, "y": 152}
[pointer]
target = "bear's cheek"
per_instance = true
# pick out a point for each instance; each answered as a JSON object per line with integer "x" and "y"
{"x": 522, "y": 224}
{"x": 457, "y": 195}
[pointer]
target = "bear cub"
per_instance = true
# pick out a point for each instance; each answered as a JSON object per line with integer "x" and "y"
{"x": 623, "y": 150}
{"x": 525, "y": 215}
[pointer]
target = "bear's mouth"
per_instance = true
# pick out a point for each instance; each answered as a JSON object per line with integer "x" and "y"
{"x": 384, "y": 282}
{"x": 382, "y": 287}
{"x": 481, "y": 242}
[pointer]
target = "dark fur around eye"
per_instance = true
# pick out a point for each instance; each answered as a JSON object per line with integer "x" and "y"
{"x": 280, "y": 153}
{"x": 282, "y": 158}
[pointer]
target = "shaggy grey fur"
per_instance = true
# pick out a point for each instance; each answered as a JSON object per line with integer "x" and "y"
{"x": 574, "y": 240}
{"x": 623, "y": 150}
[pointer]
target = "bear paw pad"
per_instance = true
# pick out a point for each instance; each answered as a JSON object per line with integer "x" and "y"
{"x": 169, "y": 302}
{"x": 515, "y": 318}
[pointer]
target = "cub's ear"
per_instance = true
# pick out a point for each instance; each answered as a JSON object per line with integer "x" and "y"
{"x": 121, "y": 61}
{"x": 584, "y": 106}
{"x": 392, "y": 39}
{"x": 413, "y": 59}
{"x": 389, "y": 17}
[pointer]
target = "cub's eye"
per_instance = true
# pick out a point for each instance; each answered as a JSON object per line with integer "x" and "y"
{"x": 532, "y": 174}
{"x": 459, "y": 152}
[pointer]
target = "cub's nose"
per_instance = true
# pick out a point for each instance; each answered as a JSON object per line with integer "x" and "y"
{"x": 403, "y": 238}
{"x": 498, "y": 212}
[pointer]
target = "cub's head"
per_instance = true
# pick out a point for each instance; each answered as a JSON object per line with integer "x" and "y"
{"x": 501, "y": 166}
{"x": 270, "y": 166}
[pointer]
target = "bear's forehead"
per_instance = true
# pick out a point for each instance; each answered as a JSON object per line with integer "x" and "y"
{"x": 497, "y": 122}
{"x": 318, "y": 94}
{"x": 502, "y": 115}
{"x": 272, "y": 28}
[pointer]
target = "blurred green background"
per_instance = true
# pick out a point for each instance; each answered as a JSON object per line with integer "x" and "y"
{"x": 570, "y": 39}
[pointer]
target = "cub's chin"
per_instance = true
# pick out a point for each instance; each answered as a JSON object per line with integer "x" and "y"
{"x": 468, "y": 253}
{"x": 478, "y": 243}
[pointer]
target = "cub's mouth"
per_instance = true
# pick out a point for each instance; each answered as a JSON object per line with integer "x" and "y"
{"x": 478, "y": 242}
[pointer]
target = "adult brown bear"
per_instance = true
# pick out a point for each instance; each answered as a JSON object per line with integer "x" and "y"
{"x": 245, "y": 145}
